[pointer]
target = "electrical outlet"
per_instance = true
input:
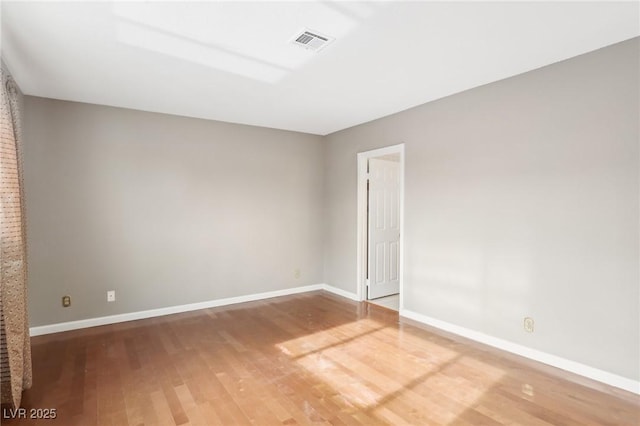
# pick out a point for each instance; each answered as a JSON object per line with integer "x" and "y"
{"x": 528, "y": 325}
{"x": 111, "y": 296}
{"x": 296, "y": 273}
{"x": 66, "y": 301}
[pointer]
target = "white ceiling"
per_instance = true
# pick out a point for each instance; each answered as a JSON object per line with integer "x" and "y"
{"x": 233, "y": 61}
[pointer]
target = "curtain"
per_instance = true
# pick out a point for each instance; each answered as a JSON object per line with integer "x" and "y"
{"x": 15, "y": 346}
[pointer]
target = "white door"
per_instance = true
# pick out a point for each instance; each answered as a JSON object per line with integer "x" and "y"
{"x": 383, "y": 228}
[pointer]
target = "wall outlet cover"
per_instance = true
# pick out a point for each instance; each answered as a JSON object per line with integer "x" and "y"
{"x": 528, "y": 325}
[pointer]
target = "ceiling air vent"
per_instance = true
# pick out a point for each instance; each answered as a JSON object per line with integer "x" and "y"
{"x": 311, "y": 40}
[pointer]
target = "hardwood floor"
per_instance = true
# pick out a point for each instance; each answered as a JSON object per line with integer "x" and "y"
{"x": 309, "y": 358}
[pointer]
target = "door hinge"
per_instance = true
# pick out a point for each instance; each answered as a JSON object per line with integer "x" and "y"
{"x": 367, "y": 282}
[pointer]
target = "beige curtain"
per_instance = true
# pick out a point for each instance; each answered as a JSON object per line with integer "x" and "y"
{"x": 15, "y": 347}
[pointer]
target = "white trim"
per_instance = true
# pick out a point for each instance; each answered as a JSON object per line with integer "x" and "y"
{"x": 340, "y": 292}
{"x": 361, "y": 248}
{"x": 361, "y": 229}
{"x": 132, "y": 316}
{"x": 536, "y": 355}
{"x": 402, "y": 239}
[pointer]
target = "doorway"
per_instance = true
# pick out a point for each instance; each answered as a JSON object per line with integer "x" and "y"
{"x": 380, "y": 225}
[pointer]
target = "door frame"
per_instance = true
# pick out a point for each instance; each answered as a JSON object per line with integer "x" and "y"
{"x": 361, "y": 252}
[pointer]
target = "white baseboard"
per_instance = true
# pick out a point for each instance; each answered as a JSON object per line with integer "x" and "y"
{"x": 340, "y": 292}
{"x": 536, "y": 355}
{"x": 132, "y": 316}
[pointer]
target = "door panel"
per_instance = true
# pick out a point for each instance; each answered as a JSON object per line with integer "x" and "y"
{"x": 380, "y": 263}
{"x": 394, "y": 249}
{"x": 384, "y": 228}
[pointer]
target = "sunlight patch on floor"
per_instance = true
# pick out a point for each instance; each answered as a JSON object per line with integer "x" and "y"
{"x": 354, "y": 361}
{"x": 324, "y": 339}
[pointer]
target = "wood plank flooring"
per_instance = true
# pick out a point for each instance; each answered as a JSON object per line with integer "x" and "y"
{"x": 313, "y": 358}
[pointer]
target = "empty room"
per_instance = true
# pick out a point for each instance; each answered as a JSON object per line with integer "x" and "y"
{"x": 320, "y": 212}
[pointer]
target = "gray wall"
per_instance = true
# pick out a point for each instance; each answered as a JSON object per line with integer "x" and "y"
{"x": 521, "y": 199}
{"x": 165, "y": 210}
